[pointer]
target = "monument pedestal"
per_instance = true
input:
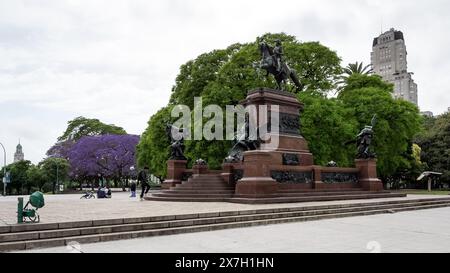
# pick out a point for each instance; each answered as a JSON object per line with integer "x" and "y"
{"x": 368, "y": 174}
{"x": 227, "y": 173}
{"x": 200, "y": 169}
{"x": 175, "y": 170}
{"x": 257, "y": 181}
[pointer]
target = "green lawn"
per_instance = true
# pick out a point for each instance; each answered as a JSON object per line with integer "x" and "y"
{"x": 434, "y": 192}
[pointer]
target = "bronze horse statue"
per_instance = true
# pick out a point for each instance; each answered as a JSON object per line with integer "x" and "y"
{"x": 268, "y": 63}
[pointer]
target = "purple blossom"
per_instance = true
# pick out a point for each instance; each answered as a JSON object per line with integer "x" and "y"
{"x": 108, "y": 155}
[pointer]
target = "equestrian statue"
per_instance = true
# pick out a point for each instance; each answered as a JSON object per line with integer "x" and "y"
{"x": 273, "y": 62}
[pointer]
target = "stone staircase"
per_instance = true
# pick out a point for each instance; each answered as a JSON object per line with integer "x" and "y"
{"x": 212, "y": 188}
{"x": 297, "y": 196}
{"x": 198, "y": 188}
{"x": 29, "y": 236}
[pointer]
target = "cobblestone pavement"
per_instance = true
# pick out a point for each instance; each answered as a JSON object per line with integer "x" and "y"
{"x": 414, "y": 231}
{"x": 68, "y": 208}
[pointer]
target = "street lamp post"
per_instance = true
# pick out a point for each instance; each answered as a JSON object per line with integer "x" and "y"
{"x": 56, "y": 188}
{"x": 57, "y": 177}
{"x": 4, "y": 169}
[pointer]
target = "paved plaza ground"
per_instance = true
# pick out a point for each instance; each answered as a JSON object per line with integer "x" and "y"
{"x": 69, "y": 208}
{"x": 416, "y": 231}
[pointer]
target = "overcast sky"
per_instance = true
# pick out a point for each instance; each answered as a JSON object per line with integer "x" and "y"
{"x": 117, "y": 60}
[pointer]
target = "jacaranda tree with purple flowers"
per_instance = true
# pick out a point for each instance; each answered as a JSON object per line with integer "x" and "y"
{"x": 106, "y": 156}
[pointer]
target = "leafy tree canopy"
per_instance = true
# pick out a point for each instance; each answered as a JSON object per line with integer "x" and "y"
{"x": 81, "y": 126}
{"x": 54, "y": 169}
{"x": 398, "y": 121}
{"x": 435, "y": 144}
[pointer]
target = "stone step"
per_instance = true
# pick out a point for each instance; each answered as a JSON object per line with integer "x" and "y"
{"x": 211, "y": 184}
{"x": 193, "y": 187}
{"x": 188, "y": 199}
{"x": 315, "y": 190}
{"x": 300, "y": 194}
{"x": 207, "y": 178}
{"x": 206, "y": 186}
{"x": 193, "y": 195}
{"x": 198, "y": 191}
{"x": 248, "y": 200}
{"x": 201, "y": 184}
{"x": 204, "y": 182}
{"x": 203, "y": 222}
{"x": 307, "y": 194}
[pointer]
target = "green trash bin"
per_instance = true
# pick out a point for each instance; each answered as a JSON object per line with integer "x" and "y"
{"x": 25, "y": 214}
{"x": 37, "y": 200}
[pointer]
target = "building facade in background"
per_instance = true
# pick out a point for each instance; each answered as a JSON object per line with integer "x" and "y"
{"x": 427, "y": 114}
{"x": 18, "y": 155}
{"x": 389, "y": 60}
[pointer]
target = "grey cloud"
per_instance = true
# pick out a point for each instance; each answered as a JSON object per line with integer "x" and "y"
{"x": 117, "y": 60}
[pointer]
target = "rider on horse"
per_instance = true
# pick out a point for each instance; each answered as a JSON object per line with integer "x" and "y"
{"x": 273, "y": 62}
{"x": 278, "y": 55}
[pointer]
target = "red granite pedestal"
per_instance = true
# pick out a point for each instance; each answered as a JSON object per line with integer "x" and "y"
{"x": 200, "y": 169}
{"x": 175, "y": 170}
{"x": 368, "y": 174}
{"x": 285, "y": 142}
{"x": 257, "y": 181}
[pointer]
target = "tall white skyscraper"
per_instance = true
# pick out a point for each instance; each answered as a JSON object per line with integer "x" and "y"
{"x": 389, "y": 60}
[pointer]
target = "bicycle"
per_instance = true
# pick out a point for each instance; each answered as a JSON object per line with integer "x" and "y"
{"x": 88, "y": 195}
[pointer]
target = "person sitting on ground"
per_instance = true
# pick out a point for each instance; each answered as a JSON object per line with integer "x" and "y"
{"x": 100, "y": 193}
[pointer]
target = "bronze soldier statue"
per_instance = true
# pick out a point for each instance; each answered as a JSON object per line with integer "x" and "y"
{"x": 176, "y": 142}
{"x": 364, "y": 141}
{"x": 278, "y": 54}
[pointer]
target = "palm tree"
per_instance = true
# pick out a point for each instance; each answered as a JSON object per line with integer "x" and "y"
{"x": 351, "y": 69}
{"x": 358, "y": 68}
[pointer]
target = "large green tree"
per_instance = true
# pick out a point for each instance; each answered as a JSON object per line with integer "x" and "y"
{"x": 327, "y": 124}
{"x": 352, "y": 69}
{"x": 81, "y": 126}
{"x": 398, "y": 121}
{"x": 152, "y": 150}
{"x": 19, "y": 178}
{"x": 78, "y": 128}
{"x": 435, "y": 144}
{"x": 54, "y": 169}
{"x": 37, "y": 176}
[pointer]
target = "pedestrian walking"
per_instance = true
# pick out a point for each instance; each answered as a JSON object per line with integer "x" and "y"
{"x": 143, "y": 178}
{"x": 133, "y": 189}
